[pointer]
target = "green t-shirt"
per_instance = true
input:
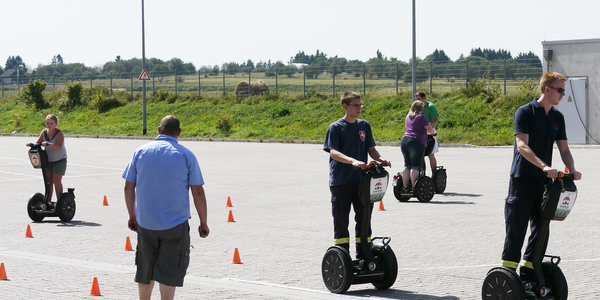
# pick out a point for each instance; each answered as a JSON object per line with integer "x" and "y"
{"x": 430, "y": 112}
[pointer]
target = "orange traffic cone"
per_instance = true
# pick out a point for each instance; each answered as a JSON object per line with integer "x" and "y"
{"x": 229, "y": 202}
{"x": 3, "y": 272}
{"x": 566, "y": 170}
{"x": 95, "y": 288}
{"x": 28, "y": 233}
{"x": 236, "y": 257}
{"x": 128, "y": 245}
{"x": 381, "y": 205}
{"x": 105, "y": 203}
{"x": 230, "y": 218}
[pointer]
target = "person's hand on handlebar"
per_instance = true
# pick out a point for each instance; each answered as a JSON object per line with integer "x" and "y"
{"x": 576, "y": 175}
{"x": 359, "y": 164}
{"x": 550, "y": 172}
{"x": 385, "y": 162}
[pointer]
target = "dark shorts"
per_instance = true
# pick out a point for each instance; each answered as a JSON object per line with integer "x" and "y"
{"x": 163, "y": 255}
{"x": 57, "y": 167}
{"x": 413, "y": 151}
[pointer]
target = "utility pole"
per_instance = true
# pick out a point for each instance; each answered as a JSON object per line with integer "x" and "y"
{"x": 143, "y": 68}
{"x": 414, "y": 52}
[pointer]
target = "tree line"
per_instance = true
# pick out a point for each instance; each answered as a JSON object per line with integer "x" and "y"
{"x": 316, "y": 64}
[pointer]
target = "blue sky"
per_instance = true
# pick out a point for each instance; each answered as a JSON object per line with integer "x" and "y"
{"x": 215, "y": 32}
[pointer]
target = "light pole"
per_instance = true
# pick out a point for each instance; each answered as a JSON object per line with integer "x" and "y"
{"x": 143, "y": 68}
{"x": 414, "y": 52}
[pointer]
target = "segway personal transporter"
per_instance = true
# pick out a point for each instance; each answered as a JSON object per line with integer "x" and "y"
{"x": 40, "y": 206}
{"x": 550, "y": 283}
{"x": 425, "y": 187}
{"x": 379, "y": 266}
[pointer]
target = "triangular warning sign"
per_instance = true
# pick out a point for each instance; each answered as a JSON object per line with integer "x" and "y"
{"x": 144, "y": 75}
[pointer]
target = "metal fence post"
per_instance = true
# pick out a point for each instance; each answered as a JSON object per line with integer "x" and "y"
{"x": 132, "y": 88}
{"x": 53, "y": 82}
{"x": 249, "y": 82}
{"x": 430, "y": 77}
{"x": 276, "y": 91}
{"x": 396, "y": 78}
{"x": 333, "y": 76}
{"x": 364, "y": 80}
{"x": 153, "y": 82}
{"x": 505, "y": 76}
{"x": 223, "y": 83}
{"x": 467, "y": 74}
{"x": 91, "y": 83}
{"x": 304, "y": 83}
{"x": 175, "y": 83}
{"x": 199, "y": 86}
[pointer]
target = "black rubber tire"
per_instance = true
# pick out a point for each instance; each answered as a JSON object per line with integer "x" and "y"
{"x": 555, "y": 280}
{"x": 424, "y": 189}
{"x": 337, "y": 270}
{"x": 65, "y": 207}
{"x": 439, "y": 180}
{"x": 502, "y": 284}
{"x": 35, "y": 202}
{"x": 385, "y": 257}
{"x": 398, "y": 189}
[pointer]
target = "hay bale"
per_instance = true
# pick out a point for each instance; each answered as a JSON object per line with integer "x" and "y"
{"x": 258, "y": 87}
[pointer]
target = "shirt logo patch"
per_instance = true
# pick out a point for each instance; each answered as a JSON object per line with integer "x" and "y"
{"x": 362, "y": 135}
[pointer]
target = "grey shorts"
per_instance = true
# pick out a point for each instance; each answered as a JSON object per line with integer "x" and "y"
{"x": 58, "y": 167}
{"x": 163, "y": 255}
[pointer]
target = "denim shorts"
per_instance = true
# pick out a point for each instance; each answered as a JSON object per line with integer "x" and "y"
{"x": 413, "y": 151}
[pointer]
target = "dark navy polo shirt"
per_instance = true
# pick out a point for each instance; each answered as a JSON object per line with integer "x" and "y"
{"x": 543, "y": 130}
{"x": 353, "y": 140}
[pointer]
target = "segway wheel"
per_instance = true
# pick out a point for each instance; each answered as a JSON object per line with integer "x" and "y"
{"x": 398, "y": 191}
{"x": 502, "y": 283}
{"x": 36, "y": 202}
{"x": 555, "y": 280}
{"x": 424, "y": 189}
{"x": 65, "y": 207}
{"x": 337, "y": 270}
{"x": 439, "y": 180}
{"x": 384, "y": 256}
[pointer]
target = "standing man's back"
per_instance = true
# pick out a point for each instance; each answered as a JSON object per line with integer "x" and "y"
{"x": 158, "y": 180}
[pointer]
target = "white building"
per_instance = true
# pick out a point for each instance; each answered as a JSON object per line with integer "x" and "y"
{"x": 579, "y": 61}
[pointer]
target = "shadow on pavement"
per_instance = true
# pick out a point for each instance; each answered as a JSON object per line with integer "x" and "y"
{"x": 398, "y": 294}
{"x": 75, "y": 223}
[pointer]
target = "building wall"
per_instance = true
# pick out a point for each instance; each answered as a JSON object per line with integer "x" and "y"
{"x": 579, "y": 58}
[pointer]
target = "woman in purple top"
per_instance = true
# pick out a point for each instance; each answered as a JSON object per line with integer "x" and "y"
{"x": 414, "y": 142}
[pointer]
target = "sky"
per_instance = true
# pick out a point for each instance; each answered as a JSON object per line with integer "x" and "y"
{"x": 208, "y": 33}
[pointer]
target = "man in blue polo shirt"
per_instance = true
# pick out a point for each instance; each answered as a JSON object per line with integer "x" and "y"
{"x": 158, "y": 180}
{"x": 537, "y": 126}
{"x": 348, "y": 142}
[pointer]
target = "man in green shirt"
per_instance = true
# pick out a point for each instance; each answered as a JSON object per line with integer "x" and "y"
{"x": 431, "y": 113}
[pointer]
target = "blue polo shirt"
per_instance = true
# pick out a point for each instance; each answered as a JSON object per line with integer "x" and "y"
{"x": 163, "y": 171}
{"x": 353, "y": 140}
{"x": 543, "y": 130}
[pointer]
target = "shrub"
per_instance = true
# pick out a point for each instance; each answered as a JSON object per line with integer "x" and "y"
{"x": 102, "y": 102}
{"x": 33, "y": 93}
{"x": 224, "y": 123}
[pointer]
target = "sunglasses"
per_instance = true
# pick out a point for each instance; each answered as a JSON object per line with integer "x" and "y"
{"x": 559, "y": 90}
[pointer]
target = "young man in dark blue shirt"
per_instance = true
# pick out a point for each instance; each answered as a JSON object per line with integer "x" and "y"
{"x": 348, "y": 142}
{"x": 537, "y": 126}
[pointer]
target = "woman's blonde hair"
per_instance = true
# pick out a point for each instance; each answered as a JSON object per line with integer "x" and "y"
{"x": 52, "y": 117}
{"x": 415, "y": 109}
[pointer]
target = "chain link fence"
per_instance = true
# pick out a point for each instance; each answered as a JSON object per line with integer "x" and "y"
{"x": 386, "y": 78}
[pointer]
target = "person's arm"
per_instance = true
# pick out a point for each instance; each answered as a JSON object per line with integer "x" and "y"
{"x": 376, "y": 156}
{"x": 200, "y": 204}
{"x": 430, "y": 129}
{"x": 60, "y": 139}
{"x": 130, "y": 203}
{"x": 567, "y": 158}
{"x": 40, "y": 139}
{"x": 434, "y": 122}
{"x": 522, "y": 141}
{"x": 343, "y": 158}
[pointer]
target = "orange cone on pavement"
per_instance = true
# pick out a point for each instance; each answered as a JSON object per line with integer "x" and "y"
{"x": 230, "y": 218}
{"x": 229, "y": 202}
{"x": 128, "y": 245}
{"x": 381, "y": 205}
{"x": 105, "y": 203}
{"x": 3, "y": 272}
{"x": 236, "y": 257}
{"x": 95, "y": 288}
{"x": 28, "y": 233}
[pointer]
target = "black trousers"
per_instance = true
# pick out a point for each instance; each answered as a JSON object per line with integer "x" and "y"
{"x": 523, "y": 206}
{"x": 343, "y": 197}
